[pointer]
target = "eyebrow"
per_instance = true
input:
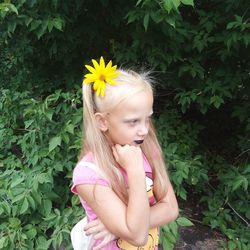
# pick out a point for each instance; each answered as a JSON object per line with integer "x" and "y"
{"x": 137, "y": 117}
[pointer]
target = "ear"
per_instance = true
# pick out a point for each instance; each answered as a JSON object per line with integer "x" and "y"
{"x": 101, "y": 121}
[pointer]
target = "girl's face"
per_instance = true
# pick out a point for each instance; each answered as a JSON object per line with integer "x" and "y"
{"x": 128, "y": 123}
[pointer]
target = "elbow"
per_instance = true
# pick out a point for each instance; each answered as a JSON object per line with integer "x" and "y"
{"x": 175, "y": 212}
{"x": 140, "y": 240}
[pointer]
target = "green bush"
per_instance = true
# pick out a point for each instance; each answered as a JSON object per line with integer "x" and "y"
{"x": 199, "y": 51}
{"x": 39, "y": 145}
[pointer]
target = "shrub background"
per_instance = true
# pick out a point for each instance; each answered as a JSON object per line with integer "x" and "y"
{"x": 199, "y": 53}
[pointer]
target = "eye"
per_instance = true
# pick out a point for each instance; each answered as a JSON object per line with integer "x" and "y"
{"x": 133, "y": 122}
{"x": 149, "y": 118}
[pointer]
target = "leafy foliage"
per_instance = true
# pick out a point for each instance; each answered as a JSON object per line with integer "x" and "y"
{"x": 200, "y": 53}
{"x": 36, "y": 209}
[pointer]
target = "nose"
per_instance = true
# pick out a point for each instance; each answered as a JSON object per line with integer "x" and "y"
{"x": 143, "y": 130}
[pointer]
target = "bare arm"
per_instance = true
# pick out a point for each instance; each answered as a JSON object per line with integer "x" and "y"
{"x": 165, "y": 210}
{"x": 130, "y": 222}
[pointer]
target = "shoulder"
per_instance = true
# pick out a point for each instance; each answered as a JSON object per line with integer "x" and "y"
{"x": 86, "y": 172}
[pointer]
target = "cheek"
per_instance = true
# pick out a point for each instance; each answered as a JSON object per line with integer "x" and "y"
{"x": 130, "y": 131}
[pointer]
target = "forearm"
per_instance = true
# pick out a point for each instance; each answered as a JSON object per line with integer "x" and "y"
{"x": 138, "y": 211}
{"x": 162, "y": 213}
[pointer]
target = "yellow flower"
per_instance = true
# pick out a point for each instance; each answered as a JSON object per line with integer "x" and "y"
{"x": 100, "y": 75}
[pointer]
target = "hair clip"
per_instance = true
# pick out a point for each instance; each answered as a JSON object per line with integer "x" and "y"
{"x": 100, "y": 75}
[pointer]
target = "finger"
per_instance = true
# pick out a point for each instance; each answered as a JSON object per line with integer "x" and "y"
{"x": 91, "y": 224}
{"x": 115, "y": 153}
{"x": 100, "y": 235}
{"x": 102, "y": 244}
{"x": 118, "y": 147}
{"x": 94, "y": 230}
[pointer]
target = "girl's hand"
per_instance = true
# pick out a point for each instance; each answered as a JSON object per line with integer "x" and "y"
{"x": 100, "y": 232}
{"x": 128, "y": 156}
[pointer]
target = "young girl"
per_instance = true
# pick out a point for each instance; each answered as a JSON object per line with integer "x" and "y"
{"x": 121, "y": 178}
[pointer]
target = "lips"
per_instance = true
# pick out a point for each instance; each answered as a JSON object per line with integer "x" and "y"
{"x": 138, "y": 141}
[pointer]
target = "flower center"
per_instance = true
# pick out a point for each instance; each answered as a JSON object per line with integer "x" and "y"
{"x": 102, "y": 78}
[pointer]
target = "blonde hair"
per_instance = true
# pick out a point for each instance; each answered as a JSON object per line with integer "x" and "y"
{"x": 94, "y": 140}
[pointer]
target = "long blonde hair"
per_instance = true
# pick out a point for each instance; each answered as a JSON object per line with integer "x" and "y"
{"x": 94, "y": 140}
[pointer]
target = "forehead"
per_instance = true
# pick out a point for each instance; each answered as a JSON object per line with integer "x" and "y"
{"x": 138, "y": 104}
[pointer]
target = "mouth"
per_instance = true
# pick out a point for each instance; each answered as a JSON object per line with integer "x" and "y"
{"x": 138, "y": 142}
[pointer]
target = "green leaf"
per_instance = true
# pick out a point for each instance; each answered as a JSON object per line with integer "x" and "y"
{"x": 12, "y": 8}
{"x": 24, "y": 206}
{"x": 31, "y": 201}
{"x": 31, "y": 233}
{"x": 47, "y": 206}
{"x": 12, "y": 27}
{"x": 170, "y": 238}
{"x": 131, "y": 16}
{"x": 54, "y": 142}
{"x": 231, "y": 245}
{"x": 237, "y": 183}
{"x": 18, "y": 198}
{"x": 183, "y": 194}
{"x": 173, "y": 226}
{"x": 42, "y": 243}
{"x": 58, "y": 23}
{"x": 170, "y": 20}
{"x": 49, "y": 114}
{"x": 188, "y": 2}
{"x": 75, "y": 200}
{"x": 37, "y": 197}
{"x": 28, "y": 123}
{"x": 157, "y": 17}
{"x": 16, "y": 182}
{"x": 28, "y": 20}
{"x": 182, "y": 221}
{"x": 216, "y": 101}
{"x": 35, "y": 24}
{"x": 42, "y": 30}
{"x": 238, "y": 18}
{"x": 2, "y": 241}
{"x": 6, "y": 207}
{"x": 166, "y": 244}
{"x": 168, "y": 5}
{"x": 246, "y": 169}
{"x": 50, "y": 25}
{"x": 138, "y": 2}
{"x": 70, "y": 128}
{"x": 231, "y": 25}
{"x": 43, "y": 178}
{"x": 14, "y": 222}
{"x": 2, "y": 210}
{"x": 146, "y": 21}
{"x": 176, "y": 3}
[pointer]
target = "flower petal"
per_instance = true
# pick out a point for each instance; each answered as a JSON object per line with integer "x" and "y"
{"x": 113, "y": 74}
{"x": 114, "y": 67}
{"x": 100, "y": 75}
{"x": 110, "y": 81}
{"x": 102, "y": 63}
{"x": 96, "y": 65}
{"x": 89, "y": 78}
{"x": 96, "y": 85}
{"x": 103, "y": 90}
{"x": 109, "y": 66}
{"x": 98, "y": 91}
{"x": 90, "y": 69}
